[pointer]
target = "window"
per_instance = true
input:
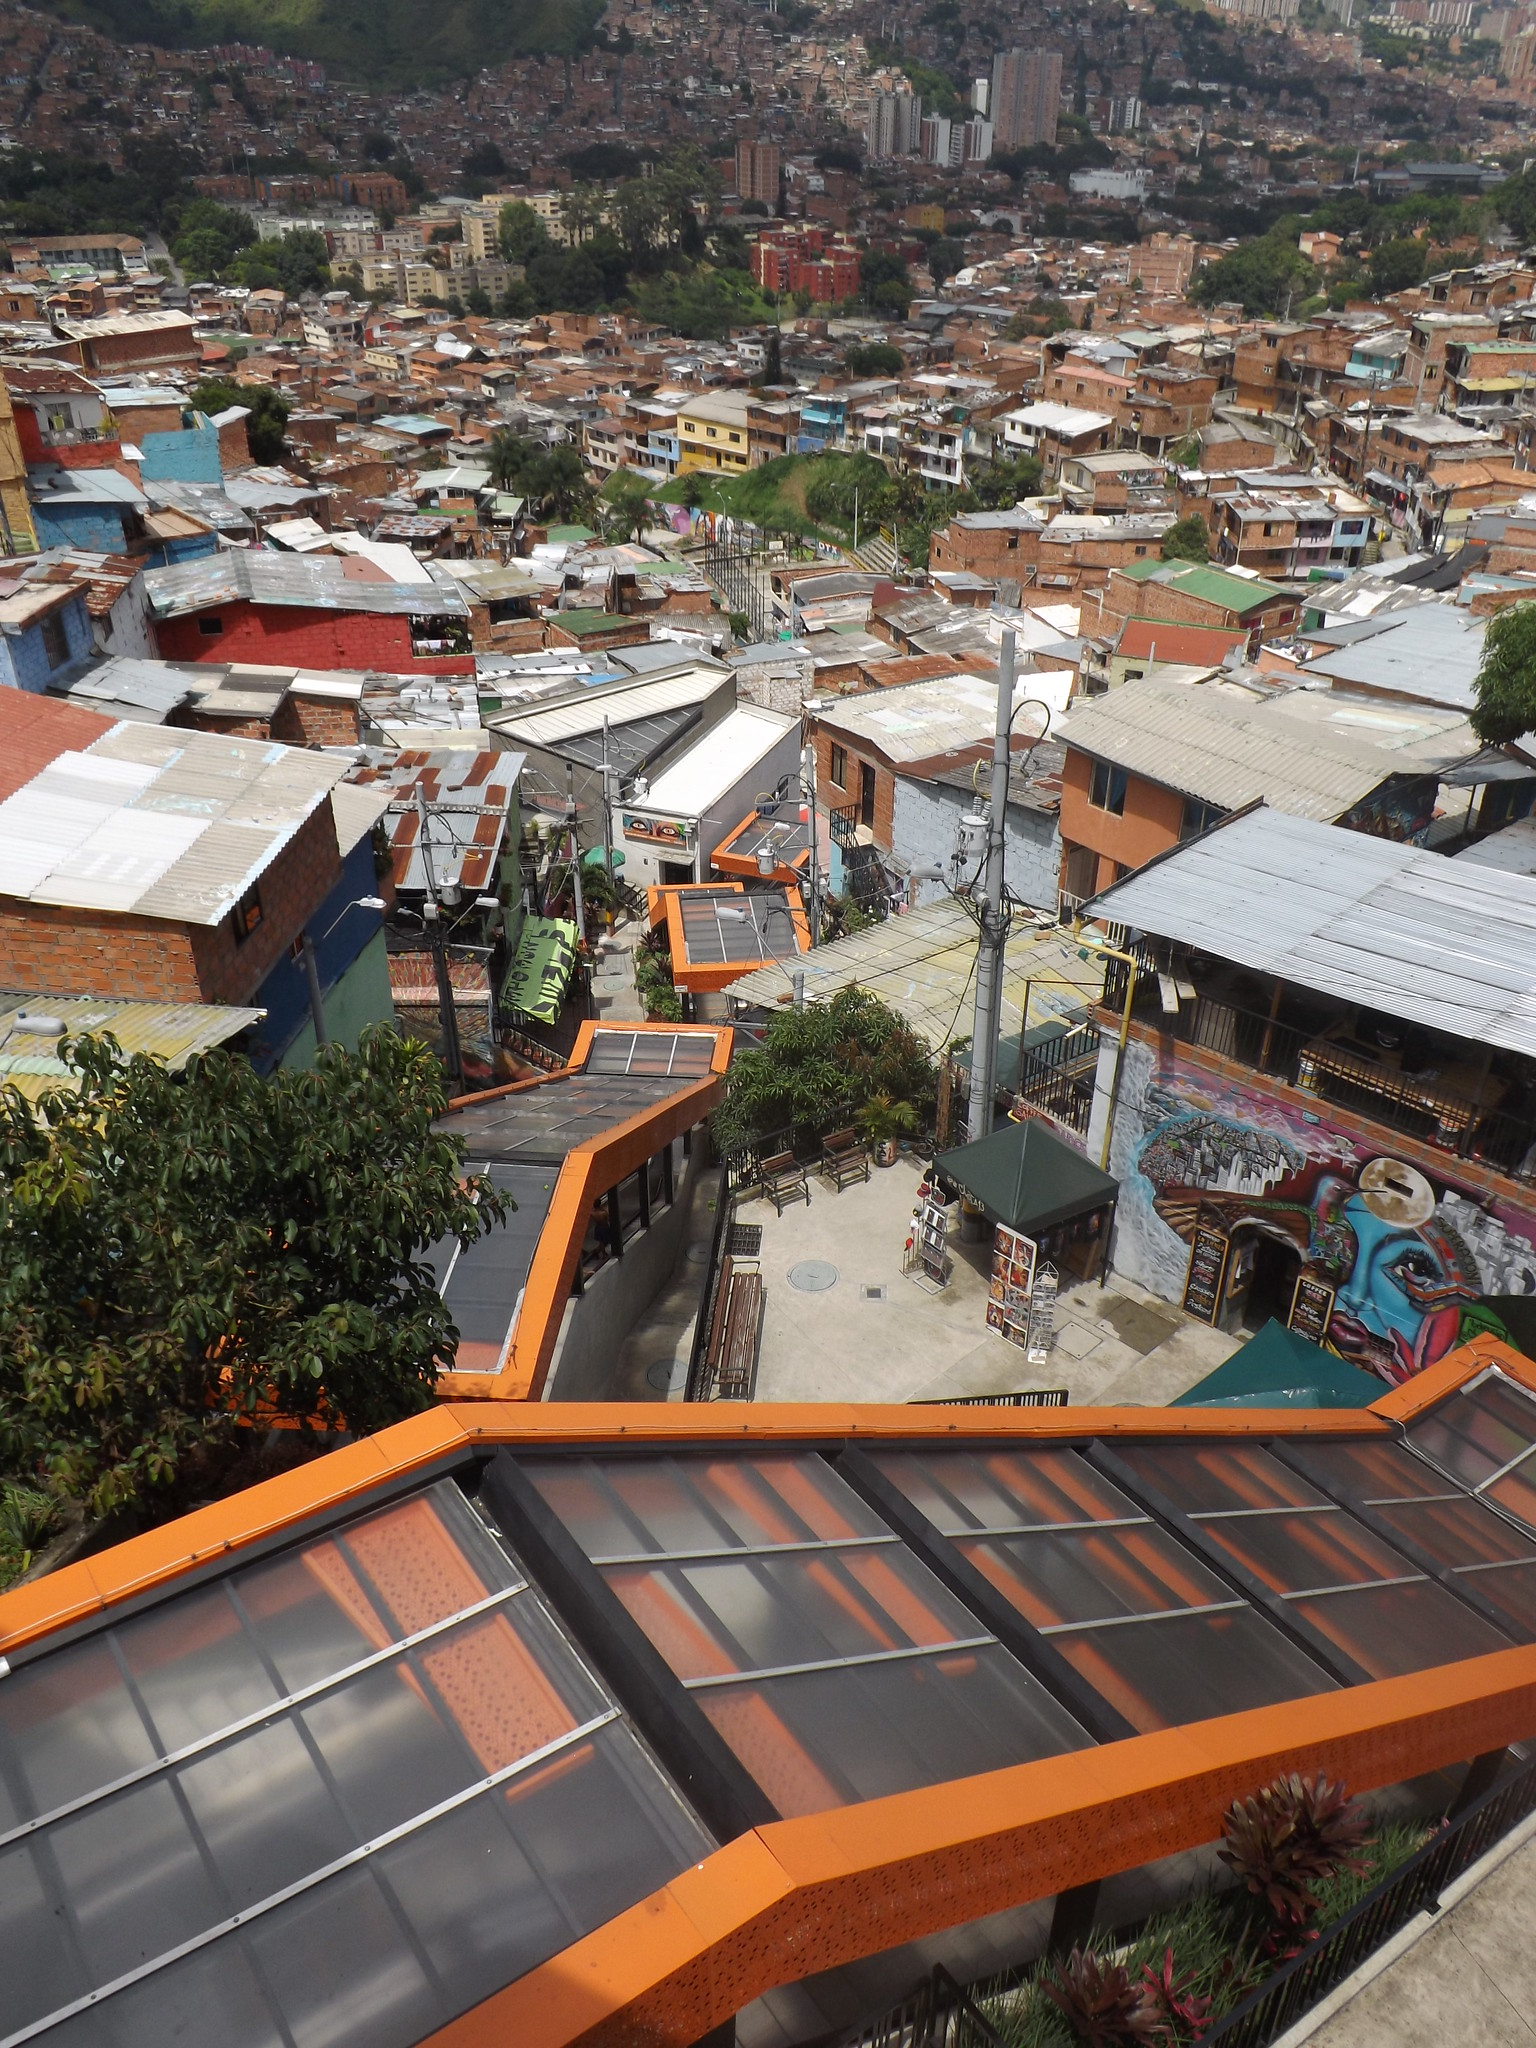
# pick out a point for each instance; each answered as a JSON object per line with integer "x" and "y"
{"x": 55, "y": 640}
{"x": 735, "y": 437}
{"x": 1106, "y": 790}
{"x": 1198, "y": 818}
{"x": 712, "y": 434}
{"x": 246, "y": 915}
{"x": 210, "y": 624}
{"x": 840, "y": 766}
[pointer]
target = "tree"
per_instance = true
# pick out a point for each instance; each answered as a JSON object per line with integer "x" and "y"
{"x": 873, "y": 359}
{"x": 509, "y": 458}
{"x": 945, "y": 256}
{"x": 823, "y": 1061}
{"x": 1505, "y": 683}
{"x": 1187, "y": 540}
{"x": 1397, "y": 266}
{"x": 483, "y": 166}
{"x": 268, "y": 422}
{"x": 181, "y": 1253}
{"x": 209, "y": 237}
{"x": 773, "y": 358}
{"x": 884, "y": 284}
{"x": 1265, "y": 276}
{"x": 521, "y": 233}
{"x": 626, "y": 506}
{"x": 557, "y": 483}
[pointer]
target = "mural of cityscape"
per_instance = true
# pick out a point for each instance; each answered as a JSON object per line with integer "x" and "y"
{"x": 1407, "y": 1256}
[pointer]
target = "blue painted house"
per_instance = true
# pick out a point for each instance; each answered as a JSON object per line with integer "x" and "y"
{"x": 45, "y": 633}
{"x": 86, "y": 508}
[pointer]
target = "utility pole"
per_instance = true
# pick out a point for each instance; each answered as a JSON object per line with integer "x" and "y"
{"x": 316, "y": 1000}
{"x": 994, "y": 923}
{"x": 808, "y": 793}
{"x": 607, "y": 813}
{"x": 432, "y": 918}
{"x": 570, "y": 823}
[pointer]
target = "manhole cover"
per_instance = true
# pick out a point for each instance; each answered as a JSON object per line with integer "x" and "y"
{"x": 666, "y": 1375}
{"x": 698, "y": 1252}
{"x": 812, "y": 1275}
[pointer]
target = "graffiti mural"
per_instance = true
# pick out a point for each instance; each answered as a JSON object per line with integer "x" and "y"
{"x": 1411, "y": 1254}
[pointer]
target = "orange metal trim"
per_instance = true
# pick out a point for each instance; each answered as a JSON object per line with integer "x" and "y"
{"x": 806, "y": 1895}
{"x": 658, "y": 895}
{"x": 712, "y": 978}
{"x": 745, "y": 864}
{"x": 1404, "y": 1402}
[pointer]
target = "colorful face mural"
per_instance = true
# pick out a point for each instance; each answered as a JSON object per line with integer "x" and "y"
{"x": 1410, "y": 1257}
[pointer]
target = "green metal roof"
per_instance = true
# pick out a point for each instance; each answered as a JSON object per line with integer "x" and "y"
{"x": 1026, "y": 1178}
{"x": 1239, "y": 594}
{"x": 1278, "y": 1369}
{"x": 541, "y": 968}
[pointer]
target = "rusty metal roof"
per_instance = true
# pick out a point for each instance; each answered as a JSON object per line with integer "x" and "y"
{"x": 467, "y": 796}
{"x": 314, "y": 582}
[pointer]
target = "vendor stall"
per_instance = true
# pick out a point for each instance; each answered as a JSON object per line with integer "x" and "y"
{"x": 1033, "y": 1186}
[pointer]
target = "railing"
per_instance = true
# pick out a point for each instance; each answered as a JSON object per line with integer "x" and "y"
{"x": 1058, "y": 1077}
{"x": 1419, "y": 1105}
{"x": 1030, "y": 1397}
{"x": 1414, "y": 1887}
{"x": 695, "y": 1387}
{"x": 943, "y": 2014}
{"x": 844, "y": 825}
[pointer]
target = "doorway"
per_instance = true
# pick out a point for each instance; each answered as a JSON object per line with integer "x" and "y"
{"x": 674, "y": 872}
{"x": 1261, "y": 1279}
{"x": 866, "y": 794}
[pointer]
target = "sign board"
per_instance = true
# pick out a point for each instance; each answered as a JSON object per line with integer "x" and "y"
{"x": 676, "y": 834}
{"x": 1042, "y": 1313}
{"x": 932, "y": 1230}
{"x": 1203, "y": 1283}
{"x": 1311, "y": 1307}
{"x": 1012, "y": 1283}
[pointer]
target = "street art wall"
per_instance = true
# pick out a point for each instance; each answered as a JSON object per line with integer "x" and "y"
{"x": 1407, "y": 1253}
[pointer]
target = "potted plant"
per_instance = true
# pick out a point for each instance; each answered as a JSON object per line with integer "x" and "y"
{"x": 882, "y": 1121}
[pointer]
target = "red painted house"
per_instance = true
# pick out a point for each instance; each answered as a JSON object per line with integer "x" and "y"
{"x": 245, "y": 605}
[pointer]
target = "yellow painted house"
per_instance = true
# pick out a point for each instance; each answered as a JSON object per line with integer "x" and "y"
{"x": 712, "y": 432}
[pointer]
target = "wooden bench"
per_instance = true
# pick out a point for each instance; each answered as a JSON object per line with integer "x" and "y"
{"x": 735, "y": 1331}
{"x": 844, "y": 1158}
{"x": 783, "y": 1180}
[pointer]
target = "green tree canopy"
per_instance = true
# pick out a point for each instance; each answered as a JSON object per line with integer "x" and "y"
{"x": 265, "y": 428}
{"x": 182, "y": 1252}
{"x": 209, "y": 237}
{"x": 873, "y": 359}
{"x": 521, "y": 233}
{"x": 1505, "y": 683}
{"x": 625, "y": 505}
{"x": 1396, "y": 266}
{"x": 297, "y": 262}
{"x": 820, "y": 1062}
{"x": 1265, "y": 276}
{"x": 1187, "y": 540}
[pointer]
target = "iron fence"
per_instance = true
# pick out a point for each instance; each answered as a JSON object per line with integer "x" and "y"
{"x": 943, "y": 2014}
{"x": 1058, "y": 1074}
{"x": 734, "y": 567}
{"x": 1413, "y": 1888}
{"x": 695, "y": 1387}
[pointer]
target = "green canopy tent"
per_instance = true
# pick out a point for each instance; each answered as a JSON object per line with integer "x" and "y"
{"x": 1278, "y": 1369}
{"x": 1024, "y": 1176}
{"x": 541, "y": 969}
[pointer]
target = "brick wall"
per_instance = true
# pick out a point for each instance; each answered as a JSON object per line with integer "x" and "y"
{"x": 292, "y": 636}
{"x": 323, "y": 721}
{"x": 52, "y": 946}
{"x": 834, "y": 795}
{"x": 984, "y": 552}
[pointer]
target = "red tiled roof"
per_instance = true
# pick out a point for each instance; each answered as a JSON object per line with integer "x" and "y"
{"x": 35, "y": 730}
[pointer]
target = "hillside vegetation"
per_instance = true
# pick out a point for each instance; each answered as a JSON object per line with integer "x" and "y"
{"x": 397, "y": 42}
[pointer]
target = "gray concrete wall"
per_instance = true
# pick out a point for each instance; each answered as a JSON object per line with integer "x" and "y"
{"x": 585, "y": 1364}
{"x": 925, "y": 820}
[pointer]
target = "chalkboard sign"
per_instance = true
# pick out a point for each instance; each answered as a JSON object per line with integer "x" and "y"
{"x": 1207, "y": 1270}
{"x": 1311, "y": 1306}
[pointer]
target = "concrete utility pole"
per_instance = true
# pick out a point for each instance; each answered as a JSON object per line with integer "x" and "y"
{"x": 994, "y": 923}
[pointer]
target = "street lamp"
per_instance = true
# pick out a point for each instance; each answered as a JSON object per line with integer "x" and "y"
{"x": 34, "y": 1024}
{"x": 797, "y": 978}
{"x": 312, "y": 966}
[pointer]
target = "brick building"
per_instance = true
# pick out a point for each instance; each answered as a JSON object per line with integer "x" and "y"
{"x": 313, "y": 611}
{"x": 168, "y": 865}
{"x": 1192, "y": 594}
{"x": 757, "y": 172}
{"x": 134, "y": 341}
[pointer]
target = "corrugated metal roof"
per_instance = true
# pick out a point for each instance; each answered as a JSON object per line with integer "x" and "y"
{"x": 554, "y": 722}
{"x": 922, "y": 964}
{"x": 1416, "y": 936}
{"x": 158, "y": 822}
{"x": 320, "y": 582}
{"x": 468, "y": 793}
{"x": 1218, "y": 743}
{"x": 172, "y": 1031}
{"x": 920, "y": 721}
{"x": 1430, "y": 652}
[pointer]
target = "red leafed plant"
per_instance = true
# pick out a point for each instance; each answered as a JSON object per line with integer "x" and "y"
{"x": 1290, "y": 1837}
{"x": 1183, "y": 2012}
{"x": 1102, "y": 2004}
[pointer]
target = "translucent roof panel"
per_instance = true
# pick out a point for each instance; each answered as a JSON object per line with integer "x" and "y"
{"x": 1351, "y": 1586}
{"x": 1483, "y": 1437}
{"x": 1492, "y": 1558}
{"x": 545, "y": 1122}
{"x": 1156, "y": 1632}
{"x": 330, "y": 1796}
{"x": 686, "y": 1055}
{"x": 829, "y": 1659}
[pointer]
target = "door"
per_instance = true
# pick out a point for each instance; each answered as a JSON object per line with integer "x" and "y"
{"x": 866, "y": 794}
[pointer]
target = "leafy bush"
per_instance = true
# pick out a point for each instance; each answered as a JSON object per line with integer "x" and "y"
{"x": 27, "y": 1520}
{"x": 1100, "y": 2001}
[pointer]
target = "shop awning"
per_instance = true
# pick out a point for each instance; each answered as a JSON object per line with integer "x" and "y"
{"x": 1278, "y": 1369}
{"x": 541, "y": 968}
{"x": 1026, "y": 1178}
